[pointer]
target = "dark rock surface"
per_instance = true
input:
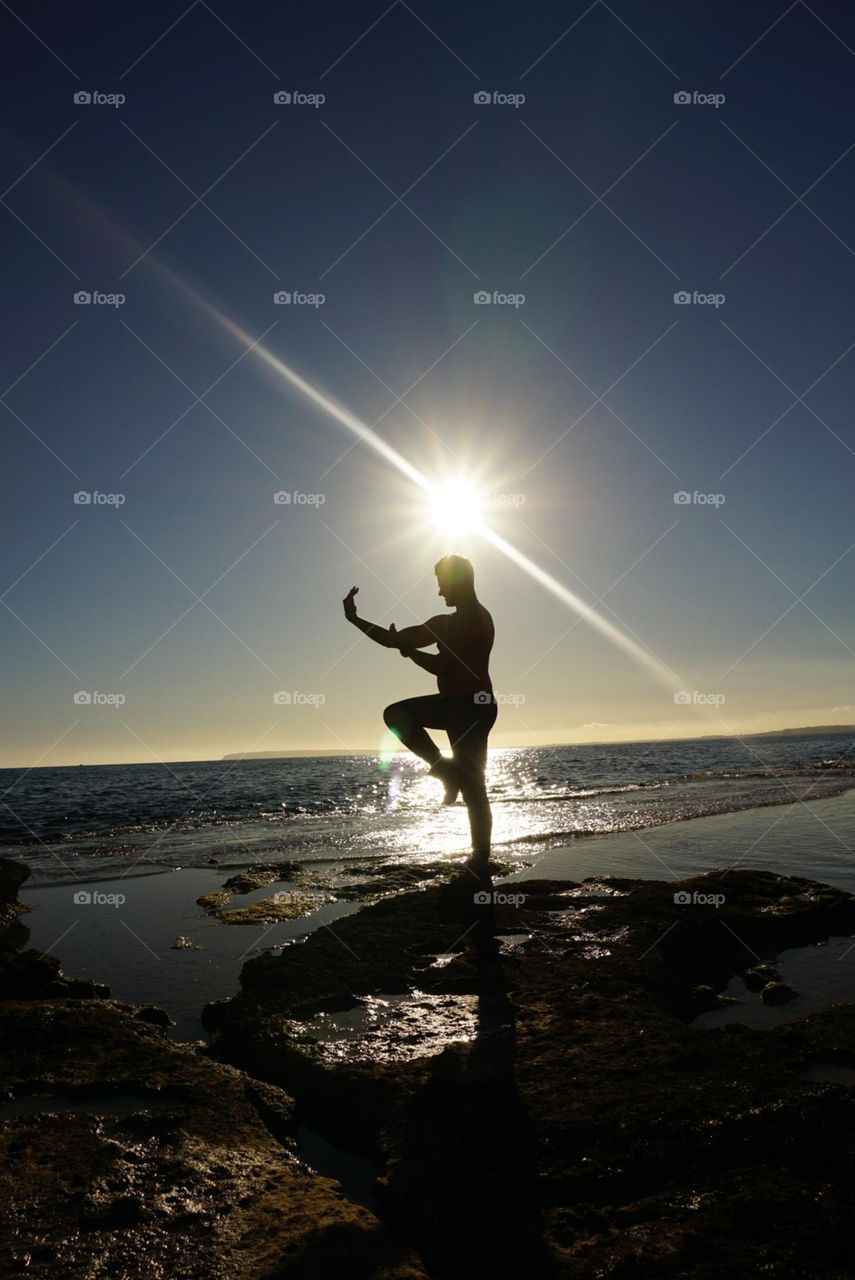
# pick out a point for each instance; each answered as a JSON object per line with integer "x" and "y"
{"x": 520, "y": 1065}
{"x": 539, "y": 1100}
{"x": 777, "y": 993}
{"x": 757, "y": 977}
{"x": 125, "y": 1155}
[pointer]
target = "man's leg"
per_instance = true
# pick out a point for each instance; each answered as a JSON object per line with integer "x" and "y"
{"x": 469, "y": 748}
{"x": 409, "y": 719}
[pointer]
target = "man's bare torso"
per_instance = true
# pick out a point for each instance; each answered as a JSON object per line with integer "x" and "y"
{"x": 464, "y": 639}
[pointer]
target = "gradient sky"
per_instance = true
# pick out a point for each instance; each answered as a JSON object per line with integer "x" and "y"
{"x": 398, "y": 199}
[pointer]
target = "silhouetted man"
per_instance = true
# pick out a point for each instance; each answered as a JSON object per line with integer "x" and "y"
{"x": 464, "y": 707}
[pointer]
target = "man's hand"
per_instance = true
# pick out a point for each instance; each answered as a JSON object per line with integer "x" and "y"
{"x": 387, "y": 637}
{"x": 350, "y": 604}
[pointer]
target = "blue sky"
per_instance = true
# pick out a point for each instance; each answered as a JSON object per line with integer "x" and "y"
{"x": 398, "y": 198}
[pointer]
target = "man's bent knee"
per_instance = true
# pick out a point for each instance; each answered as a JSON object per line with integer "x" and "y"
{"x": 394, "y": 717}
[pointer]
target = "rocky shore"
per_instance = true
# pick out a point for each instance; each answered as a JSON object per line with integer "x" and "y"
{"x": 518, "y": 1065}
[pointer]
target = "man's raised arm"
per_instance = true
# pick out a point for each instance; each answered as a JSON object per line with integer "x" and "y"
{"x": 418, "y": 637}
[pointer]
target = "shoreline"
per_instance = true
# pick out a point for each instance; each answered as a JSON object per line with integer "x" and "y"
{"x": 131, "y": 947}
{"x": 550, "y": 841}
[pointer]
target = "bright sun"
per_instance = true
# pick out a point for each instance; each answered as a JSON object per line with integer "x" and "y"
{"x": 455, "y": 507}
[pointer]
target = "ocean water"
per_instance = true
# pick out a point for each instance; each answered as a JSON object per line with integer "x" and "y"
{"x": 122, "y": 820}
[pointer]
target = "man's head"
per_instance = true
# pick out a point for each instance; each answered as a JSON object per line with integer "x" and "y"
{"x": 456, "y": 578}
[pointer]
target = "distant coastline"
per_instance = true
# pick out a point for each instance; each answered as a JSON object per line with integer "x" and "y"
{"x": 308, "y": 753}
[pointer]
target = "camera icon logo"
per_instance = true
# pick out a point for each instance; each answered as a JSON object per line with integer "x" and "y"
{"x": 82, "y": 97}
{"x": 281, "y": 98}
{"x": 681, "y": 98}
{"x": 482, "y": 298}
{"x": 282, "y": 298}
{"x": 682, "y": 698}
{"x": 482, "y": 697}
{"x": 682, "y": 498}
{"x": 82, "y": 298}
{"x": 282, "y": 498}
{"x": 481, "y": 898}
{"x": 682, "y": 898}
{"x": 82, "y": 498}
{"x": 481, "y": 98}
{"x": 282, "y": 698}
{"x": 82, "y": 898}
{"x": 682, "y": 297}
{"x": 82, "y": 698}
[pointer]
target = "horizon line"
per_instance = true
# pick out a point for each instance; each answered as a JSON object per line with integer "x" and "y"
{"x": 309, "y": 753}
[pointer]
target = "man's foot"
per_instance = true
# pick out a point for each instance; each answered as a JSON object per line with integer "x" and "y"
{"x": 446, "y": 771}
{"x": 479, "y": 865}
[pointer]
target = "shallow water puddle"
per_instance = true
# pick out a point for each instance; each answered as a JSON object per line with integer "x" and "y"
{"x": 822, "y": 975}
{"x": 596, "y": 889}
{"x": 394, "y": 1028}
{"x": 508, "y": 942}
{"x": 357, "y": 1174}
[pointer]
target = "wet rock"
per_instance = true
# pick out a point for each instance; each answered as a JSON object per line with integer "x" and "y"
{"x": 758, "y": 975}
{"x": 212, "y": 1013}
{"x": 183, "y": 943}
{"x": 29, "y": 974}
{"x": 156, "y": 1017}
{"x": 281, "y": 906}
{"x": 122, "y": 1153}
{"x": 214, "y": 900}
{"x": 578, "y": 1126}
{"x": 706, "y": 999}
{"x": 257, "y": 877}
{"x": 12, "y": 876}
{"x": 276, "y": 1110}
{"x": 84, "y": 989}
{"x": 777, "y": 993}
{"x": 148, "y": 1194}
